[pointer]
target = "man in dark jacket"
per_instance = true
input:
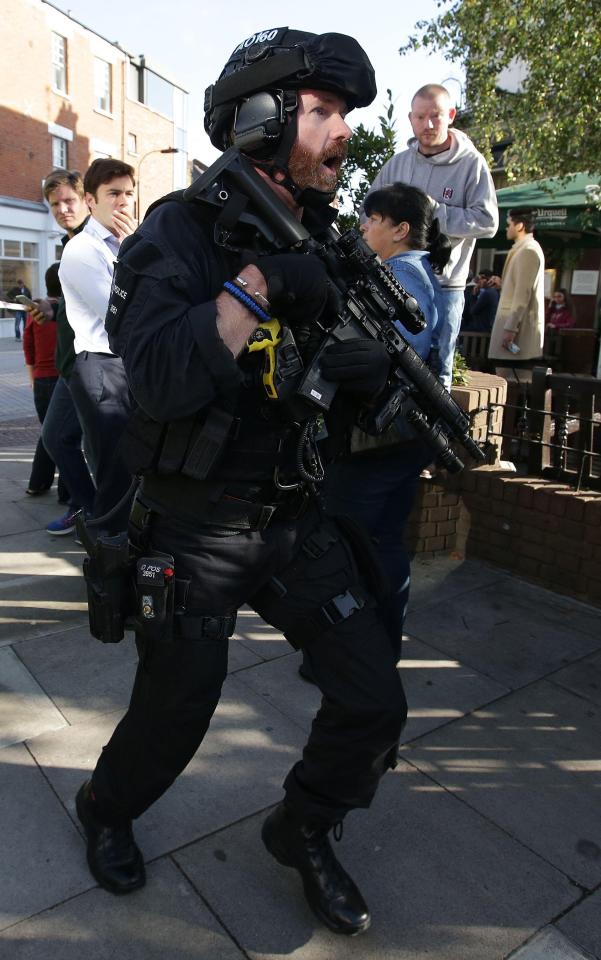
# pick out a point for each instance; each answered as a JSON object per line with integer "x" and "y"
{"x": 62, "y": 432}
{"x": 484, "y": 301}
{"x": 228, "y": 475}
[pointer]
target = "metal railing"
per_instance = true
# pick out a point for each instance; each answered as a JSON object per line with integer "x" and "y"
{"x": 556, "y": 428}
{"x": 473, "y": 347}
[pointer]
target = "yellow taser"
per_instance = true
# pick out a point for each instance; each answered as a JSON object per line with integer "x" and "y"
{"x": 267, "y": 336}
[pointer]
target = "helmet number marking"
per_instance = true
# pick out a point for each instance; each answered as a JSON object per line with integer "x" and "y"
{"x": 264, "y": 37}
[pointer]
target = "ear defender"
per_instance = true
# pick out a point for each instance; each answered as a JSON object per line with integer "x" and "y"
{"x": 259, "y": 125}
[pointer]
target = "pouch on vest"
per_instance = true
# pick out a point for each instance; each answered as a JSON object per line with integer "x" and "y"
{"x": 191, "y": 446}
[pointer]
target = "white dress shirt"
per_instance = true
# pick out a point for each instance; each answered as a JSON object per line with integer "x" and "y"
{"x": 86, "y": 274}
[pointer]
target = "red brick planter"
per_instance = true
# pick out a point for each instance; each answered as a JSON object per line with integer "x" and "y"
{"x": 543, "y": 531}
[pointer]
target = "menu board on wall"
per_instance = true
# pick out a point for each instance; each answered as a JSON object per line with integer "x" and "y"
{"x": 585, "y": 282}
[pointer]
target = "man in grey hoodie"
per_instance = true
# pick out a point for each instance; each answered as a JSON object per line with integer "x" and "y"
{"x": 446, "y": 165}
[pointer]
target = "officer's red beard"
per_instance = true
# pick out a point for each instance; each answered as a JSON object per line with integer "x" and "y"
{"x": 316, "y": 172}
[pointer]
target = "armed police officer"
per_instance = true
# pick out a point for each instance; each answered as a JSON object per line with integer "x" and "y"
{"x": 230, "y": 472}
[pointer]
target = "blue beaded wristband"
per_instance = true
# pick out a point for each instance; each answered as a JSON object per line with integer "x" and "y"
{"x": 247, "y": 300}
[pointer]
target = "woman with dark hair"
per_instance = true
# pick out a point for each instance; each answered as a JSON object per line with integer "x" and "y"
{"x": 376, "y": 482}
{"x": 560, "y": 312}
{"x": 402, "y": 229}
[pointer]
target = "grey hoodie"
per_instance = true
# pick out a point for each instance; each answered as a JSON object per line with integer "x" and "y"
{"x": 459, "y": 181}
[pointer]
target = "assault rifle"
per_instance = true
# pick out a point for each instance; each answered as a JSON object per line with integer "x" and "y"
{"x": 368, "y": 300}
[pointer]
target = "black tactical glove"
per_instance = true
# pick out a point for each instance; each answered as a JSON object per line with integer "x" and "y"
{"x": 297, "y": 285}
{"x": 360, "y": 366}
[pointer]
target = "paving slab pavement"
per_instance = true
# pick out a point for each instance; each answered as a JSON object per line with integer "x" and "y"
{"x": 550, "y": 944}
{"x": 17, "y": 395}
{"x": 509, "y": 630}
{"x": 485, "y": 840}
{"x": 583, "y": 925}
{"x": 42, "y": 863}
{"x": 167, "y": 920}
{"x": 440, "y": 878}
{"x": 25, "y": 710}
{"x": 530, "y": 763}
{"x": 245, "y": 756}
{"x": 437, "y": 688}
{"x": 582, "y": 678}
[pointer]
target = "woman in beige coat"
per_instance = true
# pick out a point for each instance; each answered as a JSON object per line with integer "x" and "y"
{"x": 520, "y": 315}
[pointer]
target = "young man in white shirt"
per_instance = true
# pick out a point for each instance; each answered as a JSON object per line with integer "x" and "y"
{"x": 98, "y": 383}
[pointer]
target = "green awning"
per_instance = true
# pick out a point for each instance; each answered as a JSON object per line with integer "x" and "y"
{"x": 566, "y": 212}
{"x": 562, "y": 205}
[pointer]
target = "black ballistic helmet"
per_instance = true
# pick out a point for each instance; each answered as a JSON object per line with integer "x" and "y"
{"x": 281, "y": 61}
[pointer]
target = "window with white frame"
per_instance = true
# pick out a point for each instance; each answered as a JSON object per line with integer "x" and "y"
{"x": 59, "y": 63}
{"x": 102, "y": 85}
{"x": 19, "y": 260}
{"x": 59, "y": 153}
{"x": 132, "y": 143}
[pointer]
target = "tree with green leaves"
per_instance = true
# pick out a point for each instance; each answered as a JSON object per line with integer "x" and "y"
{"x": 368, "y": 152}
{"x": 552, "y": 120}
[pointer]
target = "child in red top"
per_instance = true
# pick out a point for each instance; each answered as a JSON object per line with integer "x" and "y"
{"x": 39, "y": 343}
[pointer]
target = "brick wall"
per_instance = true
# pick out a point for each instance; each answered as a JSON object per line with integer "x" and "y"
{"x": 474, "y": 399}
{"x": 545, "y": 532}
{"x": 153, "y": 131}
{"x": 29, "y": 104}
{"x": 432, "y": 526}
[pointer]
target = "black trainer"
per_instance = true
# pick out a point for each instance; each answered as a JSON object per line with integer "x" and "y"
{"x": 330, "y": 892}
{"x": 113, "y": 857}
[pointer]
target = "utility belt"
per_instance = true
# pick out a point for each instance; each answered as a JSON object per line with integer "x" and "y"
{"x": 219, "y": 505}
{"x": 134, "y": 587}
{"x": 130, "y": 586}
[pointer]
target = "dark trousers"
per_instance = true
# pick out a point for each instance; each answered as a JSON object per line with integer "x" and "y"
{"x": 378, "y": 491}
{"x": 354, "y": 736}
{"x": 43, "y": 466}
{"x": 101, "y": 395}
{"x": 62, "y": 436}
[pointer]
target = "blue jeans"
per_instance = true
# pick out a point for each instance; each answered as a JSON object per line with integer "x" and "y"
{"x": 378, "y": 491}
{"x": 446, "y": 332}
{"x": 61, "y": 435}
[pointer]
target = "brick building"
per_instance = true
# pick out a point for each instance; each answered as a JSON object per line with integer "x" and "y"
{"x": 69, "y": 97}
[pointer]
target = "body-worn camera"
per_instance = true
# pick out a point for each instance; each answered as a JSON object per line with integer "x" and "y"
{"x": 127, "y": 591}
{"x": 155, "y": 590}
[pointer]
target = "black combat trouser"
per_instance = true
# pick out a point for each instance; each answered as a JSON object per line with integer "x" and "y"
{"x": 354, "y": 736}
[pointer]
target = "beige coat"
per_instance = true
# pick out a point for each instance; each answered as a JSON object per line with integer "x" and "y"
{"x": 522, "y": 304}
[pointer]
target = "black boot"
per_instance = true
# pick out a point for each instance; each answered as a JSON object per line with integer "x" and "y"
{"x": 329, "y": 890}
{"x": 113, "y": 857}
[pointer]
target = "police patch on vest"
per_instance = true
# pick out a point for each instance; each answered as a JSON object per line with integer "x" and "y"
{"x": 118, "y": 297}
{"x": 447, "y": 193}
